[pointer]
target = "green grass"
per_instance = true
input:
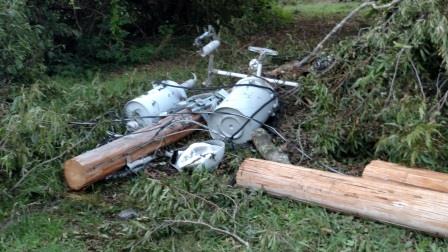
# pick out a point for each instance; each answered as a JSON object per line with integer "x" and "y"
{"x": 319, "y": 8}
{"x": 39, "y": 232}
{"x": 88, "y": 221}
{"x": 46, "y": 218}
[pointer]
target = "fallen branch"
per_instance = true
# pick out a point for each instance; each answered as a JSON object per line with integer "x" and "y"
{"x": 212, "y": 228}
{"x": 392, "y": 84}
{"x": 341, "y": 24}
{"x": 320, "y": 45}
{"x": 62, "y": 154}
{"x": 206, "y": 201}
{"x": 235, "y": 209}
{"x": 419, "y": 81}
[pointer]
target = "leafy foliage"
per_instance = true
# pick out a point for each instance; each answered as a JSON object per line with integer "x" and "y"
{"x": 387, "y": 95}
{"x": 37, "y": 126}
{"x": 351, "y": 115}
{"x": 266, "y": 223}
{"x": 39, "y": 34}
{"x": 23, "y": 45}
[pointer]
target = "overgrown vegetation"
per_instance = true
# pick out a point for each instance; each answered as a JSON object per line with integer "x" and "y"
{"x": 371, "y": 104}
{"x": 23, "y": 44}
{"x": 38, "y": 126}
{"x": 266, "y": 223}
{"x": 59, "y": 35}
{"x": 386, "y": 97}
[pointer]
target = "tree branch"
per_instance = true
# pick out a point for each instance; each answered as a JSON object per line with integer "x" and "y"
{"x": 32, "y": 169}
{"x": 218, "y": 230}
{"x": 340, "y": 25}
{"x": 419, "y": 81}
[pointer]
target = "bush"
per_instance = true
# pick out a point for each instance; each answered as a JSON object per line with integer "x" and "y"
{"x": 23, "y": 45}
{"x": 36, "y": 128}
{"x": 388, "y": 94}
{"x": 48, "y": 33}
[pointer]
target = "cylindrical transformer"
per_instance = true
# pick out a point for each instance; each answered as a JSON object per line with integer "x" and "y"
{"x": 231, "y": 116}
{"x": 146, "y": 108}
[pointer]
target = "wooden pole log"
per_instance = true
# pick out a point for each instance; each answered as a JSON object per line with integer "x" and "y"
{"x": 406, "y": 206}
{"x": 391, "y": 172}
{"x": 96, "y": 164}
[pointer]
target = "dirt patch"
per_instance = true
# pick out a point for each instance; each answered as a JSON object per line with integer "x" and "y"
{"x": 304, "y": 32}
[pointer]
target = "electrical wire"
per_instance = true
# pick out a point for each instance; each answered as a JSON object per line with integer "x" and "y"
{"x": 206, "y": 128}
{"x": 274, "y": 96}
{"x": 269, "y": 127}
{"x": 252, "y": 117}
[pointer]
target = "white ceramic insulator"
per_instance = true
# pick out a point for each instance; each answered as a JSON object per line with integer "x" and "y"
{"x": 190, "y": 83}
{"x": 132, "y": 126}
{"x": 210, "y": 47}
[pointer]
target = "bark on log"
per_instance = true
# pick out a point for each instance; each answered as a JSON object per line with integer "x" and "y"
{"x": 406, "y": 206}
{"x": 96, "y": 164}
{"x": 391, "y": 172}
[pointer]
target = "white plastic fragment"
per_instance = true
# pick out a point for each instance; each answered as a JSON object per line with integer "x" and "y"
{"x": 204, "y": 155}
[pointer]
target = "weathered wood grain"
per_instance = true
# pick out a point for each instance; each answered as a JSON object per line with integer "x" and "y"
{"x": 96, "y": 164}
{"x": 391, "y": 172}
{"x": 406, "y": 206}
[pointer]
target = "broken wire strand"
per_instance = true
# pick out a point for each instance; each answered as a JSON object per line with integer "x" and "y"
{"x": 207, "y": 129}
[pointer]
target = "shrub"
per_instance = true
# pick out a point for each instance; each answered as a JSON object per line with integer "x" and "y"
{"x": 23, "y": 45}
{"x": 39, "y": 34}
{"x": 388, "y": 89}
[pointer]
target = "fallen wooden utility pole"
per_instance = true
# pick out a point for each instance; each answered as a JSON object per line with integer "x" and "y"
{"x": 386, "y": 171}
{"x": 96, "y": 164}
{"x": 402, "y": 205}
